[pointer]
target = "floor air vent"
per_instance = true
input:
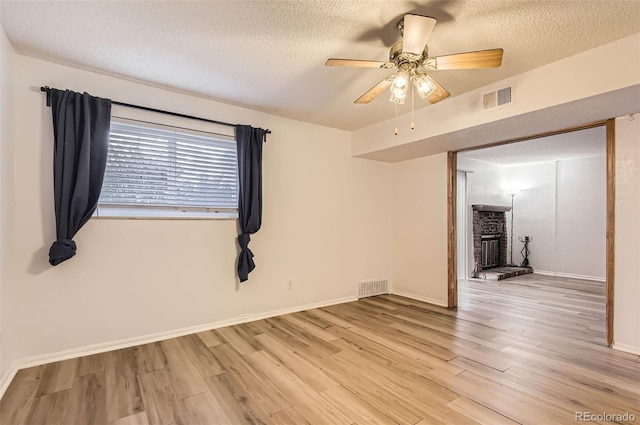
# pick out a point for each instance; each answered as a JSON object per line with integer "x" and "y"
{"x": 497, "y": 98}
{"x": 371, "y": 288}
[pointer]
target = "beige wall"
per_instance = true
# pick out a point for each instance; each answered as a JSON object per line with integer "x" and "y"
{"x": 330, "y": 220}
{"x": 326, "y": 226}
{"x": 627, "y": 249}
{"x": 5, "y": 50}
{"x": 420, "y": 228}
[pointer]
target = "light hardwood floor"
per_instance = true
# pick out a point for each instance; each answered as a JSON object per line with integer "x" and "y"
{"x": 525, "y": 350}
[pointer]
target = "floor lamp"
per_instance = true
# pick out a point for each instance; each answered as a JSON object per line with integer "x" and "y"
{"x": 511, "y": 263}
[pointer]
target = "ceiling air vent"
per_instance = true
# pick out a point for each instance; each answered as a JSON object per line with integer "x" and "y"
{"x": 497, "y": 98}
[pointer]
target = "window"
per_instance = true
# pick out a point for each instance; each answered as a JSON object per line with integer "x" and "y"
{"x": 160, "y": 171}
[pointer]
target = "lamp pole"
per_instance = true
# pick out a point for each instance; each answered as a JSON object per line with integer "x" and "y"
{"x": 511, "y": 234}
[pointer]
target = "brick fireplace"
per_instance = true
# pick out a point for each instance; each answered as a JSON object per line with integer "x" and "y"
{"x": 489, "y": 236}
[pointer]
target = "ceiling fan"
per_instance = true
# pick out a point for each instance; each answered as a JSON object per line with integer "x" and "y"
{"x": 410, "y": 58}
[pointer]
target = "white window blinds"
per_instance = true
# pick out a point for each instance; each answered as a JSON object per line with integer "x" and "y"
{"x": 163, "y": 167}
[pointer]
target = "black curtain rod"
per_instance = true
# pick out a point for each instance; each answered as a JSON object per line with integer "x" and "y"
{"x": 160, "y": 111}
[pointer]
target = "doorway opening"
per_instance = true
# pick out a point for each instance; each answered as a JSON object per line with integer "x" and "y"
{"x": 561, "y": 189}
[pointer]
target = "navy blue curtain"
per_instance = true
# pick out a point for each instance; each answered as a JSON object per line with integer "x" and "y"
{"x": 81, "y": 137}
{"x": 249, "y": 142}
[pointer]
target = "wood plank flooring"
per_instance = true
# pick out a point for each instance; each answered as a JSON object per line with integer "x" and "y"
{"x": 529, "y": 349}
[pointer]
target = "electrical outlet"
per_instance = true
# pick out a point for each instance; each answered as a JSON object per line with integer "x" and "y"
{"x": 290, "y": 285}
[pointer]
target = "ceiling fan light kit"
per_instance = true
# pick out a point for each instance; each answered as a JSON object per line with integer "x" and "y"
{"x": 425, "y": 87}
{"x": 399, "y": 88}
{"x": 410, "y": 57}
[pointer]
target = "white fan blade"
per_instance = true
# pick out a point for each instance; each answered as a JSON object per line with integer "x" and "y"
{"x": 417, "y": 30}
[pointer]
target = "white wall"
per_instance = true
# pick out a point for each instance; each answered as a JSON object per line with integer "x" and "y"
{"x": 561, "y": 204}
{"x": 627, "y": 249}
{"x": 485, "y": 185}
{"x": 534, "y": 208}
{"x": 326, "y": 226}
{"x": 420, "y": 228}
{"x": 581, "y": 216}
{"x": 461, "y": 223}
{"x": 486, "y": 182}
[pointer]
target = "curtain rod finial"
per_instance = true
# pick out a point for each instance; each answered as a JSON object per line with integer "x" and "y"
{"x": 48, "y": 91}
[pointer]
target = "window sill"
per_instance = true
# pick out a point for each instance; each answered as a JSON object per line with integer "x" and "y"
{"x": 120, "y": 213}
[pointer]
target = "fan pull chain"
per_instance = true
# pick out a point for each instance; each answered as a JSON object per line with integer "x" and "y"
{"x": 412, "y": 126}
{"x": 396, "y": 119}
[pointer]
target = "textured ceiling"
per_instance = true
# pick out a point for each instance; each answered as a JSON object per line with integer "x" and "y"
{"x": 561, "y": 147}
{"x": 269, "y": 55}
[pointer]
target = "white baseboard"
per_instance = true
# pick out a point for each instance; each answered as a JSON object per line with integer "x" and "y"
{"x": 146, "y": 339}
{"x": 627, "y": 348}
{"x": 427, "y": 300}
{"x": 7, "y": 377}
{"x": 570, "y": 275}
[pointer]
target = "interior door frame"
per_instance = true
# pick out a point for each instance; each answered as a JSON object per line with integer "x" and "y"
{"x": 452, "y": 268}
{"x": 462, "y": 224}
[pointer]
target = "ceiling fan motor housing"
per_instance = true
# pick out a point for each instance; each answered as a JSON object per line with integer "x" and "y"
{"x": 400, "y": 58}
